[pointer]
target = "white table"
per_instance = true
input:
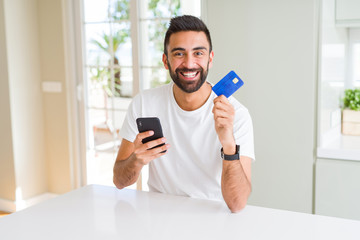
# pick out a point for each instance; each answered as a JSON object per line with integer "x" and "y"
{"x": 100, "y": 212}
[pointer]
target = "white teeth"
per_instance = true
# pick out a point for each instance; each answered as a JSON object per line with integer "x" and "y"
{"x": 189, "y": 74}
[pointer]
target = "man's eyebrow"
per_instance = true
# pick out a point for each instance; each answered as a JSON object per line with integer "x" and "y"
{"x": 200, "y": 48}
{"x": 183, "y": 49}
{"x": 177, "y": 49}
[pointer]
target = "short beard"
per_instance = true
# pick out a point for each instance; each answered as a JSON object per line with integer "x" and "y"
{"x": 185, "y": 86}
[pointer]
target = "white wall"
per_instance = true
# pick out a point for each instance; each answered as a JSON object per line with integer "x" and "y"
{"x": 52, "y": 55}
{"x": 272, "y": 45}
{"x": 7, "y": 171}
{"x": 34, "y": 142}
{"x": 25, "y": 96}
{"x": 333, "y": 53}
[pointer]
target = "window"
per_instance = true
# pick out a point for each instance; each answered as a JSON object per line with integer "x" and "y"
{"x": 123, "y": 55}
{"x": 354, "y": 58}
{"x": 356, "y": 64}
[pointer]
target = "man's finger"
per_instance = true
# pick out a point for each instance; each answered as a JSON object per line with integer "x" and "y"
{"x": 154, "y": 143}
{"x": 145, "y": 134}
{"x": 158, "y": 150}
{"x": 142, "y": 136}
{"x": 221, "y": 98}
{"x": 146, "y": 156}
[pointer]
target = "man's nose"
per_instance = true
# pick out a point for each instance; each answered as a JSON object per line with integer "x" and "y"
{"x": 189, "y": 61}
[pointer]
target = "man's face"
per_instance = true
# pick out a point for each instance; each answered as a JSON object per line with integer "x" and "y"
{"x": 188, "y": 59}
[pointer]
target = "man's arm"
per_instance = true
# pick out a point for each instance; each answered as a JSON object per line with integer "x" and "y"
{"x": 133, "y": 156}
{"x": 236, "y": 175}
{"x": 236, "y": 183}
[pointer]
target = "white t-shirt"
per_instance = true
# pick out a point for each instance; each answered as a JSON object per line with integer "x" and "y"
{"x": 192, "y": 165}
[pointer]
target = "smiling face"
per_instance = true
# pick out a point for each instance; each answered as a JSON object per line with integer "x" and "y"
{"x": 188, "y": 59}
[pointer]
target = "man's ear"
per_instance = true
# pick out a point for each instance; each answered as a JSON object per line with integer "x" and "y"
{"x": 165, "y": 61}
{"x": 211, "y": 57}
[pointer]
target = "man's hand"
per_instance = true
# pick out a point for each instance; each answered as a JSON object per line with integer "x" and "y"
{"x": 224, "y": 114}
{"x": 132, "y": 156}
{"x": 143, "y": 153}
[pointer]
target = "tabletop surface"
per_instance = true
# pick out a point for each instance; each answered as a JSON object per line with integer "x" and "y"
{"x": 102, "y": 212}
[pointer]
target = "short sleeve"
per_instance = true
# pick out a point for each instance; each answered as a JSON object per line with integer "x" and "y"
{"x": 129, "y": 129}
{"x": 243, "y": 132}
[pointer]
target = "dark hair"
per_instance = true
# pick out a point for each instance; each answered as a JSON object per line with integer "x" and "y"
{"x": 186, "y": 23}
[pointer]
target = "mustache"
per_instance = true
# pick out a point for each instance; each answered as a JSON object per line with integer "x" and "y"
{"x": 188, "y": 70}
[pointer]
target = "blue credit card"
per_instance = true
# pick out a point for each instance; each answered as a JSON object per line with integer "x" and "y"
{"x": 228, "y": 84}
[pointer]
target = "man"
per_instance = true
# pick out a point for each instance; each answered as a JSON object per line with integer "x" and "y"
{"x": 197, "y": 124}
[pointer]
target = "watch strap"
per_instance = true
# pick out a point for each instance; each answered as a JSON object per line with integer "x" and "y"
{"x": 235, "y": 156}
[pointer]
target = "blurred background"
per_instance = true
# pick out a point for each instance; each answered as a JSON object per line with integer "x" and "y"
{"x": 70, "y": 69}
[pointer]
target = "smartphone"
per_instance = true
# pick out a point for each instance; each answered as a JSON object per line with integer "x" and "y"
{"x": 150, "y": 123}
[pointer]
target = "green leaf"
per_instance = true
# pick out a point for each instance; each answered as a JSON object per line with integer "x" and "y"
{"x": 352, "y": 99}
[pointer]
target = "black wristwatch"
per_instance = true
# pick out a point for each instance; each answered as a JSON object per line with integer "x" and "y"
{"x": 236, "y": 156}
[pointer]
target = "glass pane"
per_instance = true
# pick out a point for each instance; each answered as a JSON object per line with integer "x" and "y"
{"x": 97, "y": 44}
{"x": 100, "y": 164}
{"x": 161, "y": 8}
{"x": 95, "y": 10}
{"x": 122, "y": 44}
{"x": 152, "y": 42}
{"x": 333, "y": 63}
{"x": 103, "y": 143}
{"x": 154, "y": 77}
{"x": 98, "y": 119}
{"x": 119, "y": 115}
{"x": 106, "y": 82}
{"x": 120, "y": 104}
{"x": 105, "y": 125}
{"x": 109, "y": 80}
{"x": 191, "y": 7}
{"x": 126, "y": 82}
{"x": 98, "y": 90}
{"x": 119, "y": 10}
{"x": 356, "y": 64}
{"x": 109, "y": 126}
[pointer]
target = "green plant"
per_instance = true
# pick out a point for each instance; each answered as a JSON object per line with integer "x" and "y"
{"x": 156, "y": 8}
{"x": 110, "y": 44}
{"x": 352, "y": 99}
{"x": 101, "y": 77}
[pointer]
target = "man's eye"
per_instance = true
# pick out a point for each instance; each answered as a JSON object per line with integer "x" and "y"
{"x": 178, "y": 54}
{"x": 199, "y": 53}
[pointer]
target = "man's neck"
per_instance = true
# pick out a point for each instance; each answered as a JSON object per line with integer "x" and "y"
{"x": 192, "y": 101}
